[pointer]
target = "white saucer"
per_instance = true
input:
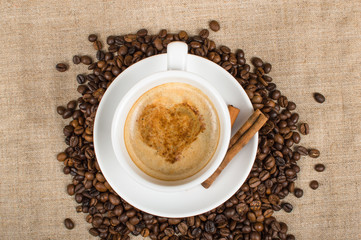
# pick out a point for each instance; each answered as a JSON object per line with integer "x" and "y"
{"x": 175, "y": 204}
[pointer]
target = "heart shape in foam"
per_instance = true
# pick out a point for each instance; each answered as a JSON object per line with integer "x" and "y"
{"x": 170, "y": 130}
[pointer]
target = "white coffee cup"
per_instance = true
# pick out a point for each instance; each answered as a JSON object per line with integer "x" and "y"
{"x": 177, "y": 72}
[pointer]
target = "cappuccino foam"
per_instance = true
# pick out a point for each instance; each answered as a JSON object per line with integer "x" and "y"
{"x": 172, "y": 131}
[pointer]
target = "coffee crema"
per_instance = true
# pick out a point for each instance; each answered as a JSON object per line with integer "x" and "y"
{"x": 172, "y": 131}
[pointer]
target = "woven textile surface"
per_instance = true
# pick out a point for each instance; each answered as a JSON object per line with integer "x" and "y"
{"x": 313, "y": 45}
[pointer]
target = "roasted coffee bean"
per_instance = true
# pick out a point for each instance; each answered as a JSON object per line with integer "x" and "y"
{"x": 61, "y": 157}
{"x": 304, "y": 128}
{"x": 71, "y": 189}
{"x": 60, "y": 110}
{"x": 268, "y": 213}
{"x": 61, "y": 67}
{"x": 76, "y": 114}
{"x": 66, "y": 170}
{"x": 214, "y": 26}
{"x": 169, "y": 232}
{"x": 246, "y": 229}
{"x": 298, "y": 192}
{"x": 100, "y": 55}
{"x": 274, "y": 199}
{"x": 81, "y": 79}
{"x": 313, "y": 153}
{"x": 100, "y": 187}
{"x": 94, "y": 232}
{"x": 196, "y": 232}
{"x": 291, "y": 187}
{"x": 82, "y": 89}
{"x": 86, "y": 60}
{"x": 258, "y": 227}
{"x": 290, "y": 237}
{"x": 74, "y": 140}
{"x": 210, "y": 227}
{"x": 319, "y": 97}
{"x": 204, "y": 33}
{"x": 320, "y": 167}
{"x": 314, "y": 184}
{"x": 78, "y": 198}
{"x": 296, "y": 137}
{"x": 275, "y": 95}
{"x": 251, "y": 217}
{"x": 76, "y": 59}
{"x": 264, "y": 175}
{"x": 254, "y": 182}
{"x": 134, "y": 220}
{"x": 114, "y": 199}
{"x": 69, "y": 224}
{"x": 287, "y": 207}
{"x": 257, "y": 62}
{"x": 283, "y": 101}
{"x": 291, "y": 106}
{"x": 92, "y": 38}
{"x": 72, "y": 104}
{"x": 174, "y": 221}
{"x": 276, "y": 226}
{"x": 302, "y": 150}
{"x": 267, "y": 67}
{"x": 255, "y": 236}
{"x": 290, "y": 172}
{"x": 294, "y": 118}
{"x": 142, "y": 32}
{"x": 183, "y": 228}
{"x": 145, "y": 232}
{"x": 97, "y": 45}
{"x": 195, "y": 44}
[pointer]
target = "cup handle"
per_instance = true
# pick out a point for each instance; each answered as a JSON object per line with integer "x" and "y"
{"x": 177, "y": 56}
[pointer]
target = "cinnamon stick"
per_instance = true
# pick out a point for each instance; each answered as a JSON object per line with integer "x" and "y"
{"x": 244, "y": 127}
{"x": 233, "y": 112}
{"x": 245, "y": 133}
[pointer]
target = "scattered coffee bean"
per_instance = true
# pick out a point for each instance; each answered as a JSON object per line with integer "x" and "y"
{"x": 291, "y": 106}
{"x": 302, "y": 150}
{"x": 94, "y": 232}
{"x": 60, "y": 110}
{"x": 267, "y": 67}
{"x": 290, "y": 237}
{"x": 61, "y": 156}
{"x": 71, "y": 189}
{"x": 204, "y": 33}
{"x": 69, "y": 224}
{"x": 76, "y": 59}
{"x": 287, "y": 207}
{"x": 97, "y": 45}
{"x": 314, "y": 184}
{"x": 214, "y": 26}
{"x": 257, "y": 62}
{"x": 72, "y": 105}
{"x": 314, "y": 153}
{"x": 298, "y": 193}
{"x": 61, "y": 67}
{"x": 81, "y": 78}
{"x": 86, "y": 60}
{"x": 142, "y": 32}
{"x": 67, "y": 114}
{"x": 304, "y": 128}
{"x": 320, "y": 167}
{"x": 92, "y": 38}
{"x": 319, "y": 97}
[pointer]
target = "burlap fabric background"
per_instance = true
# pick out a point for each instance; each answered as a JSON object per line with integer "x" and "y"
{"x": 314, "y": 45}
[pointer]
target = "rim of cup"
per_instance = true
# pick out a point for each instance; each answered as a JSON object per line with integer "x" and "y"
{"x": 121, "y": 113}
